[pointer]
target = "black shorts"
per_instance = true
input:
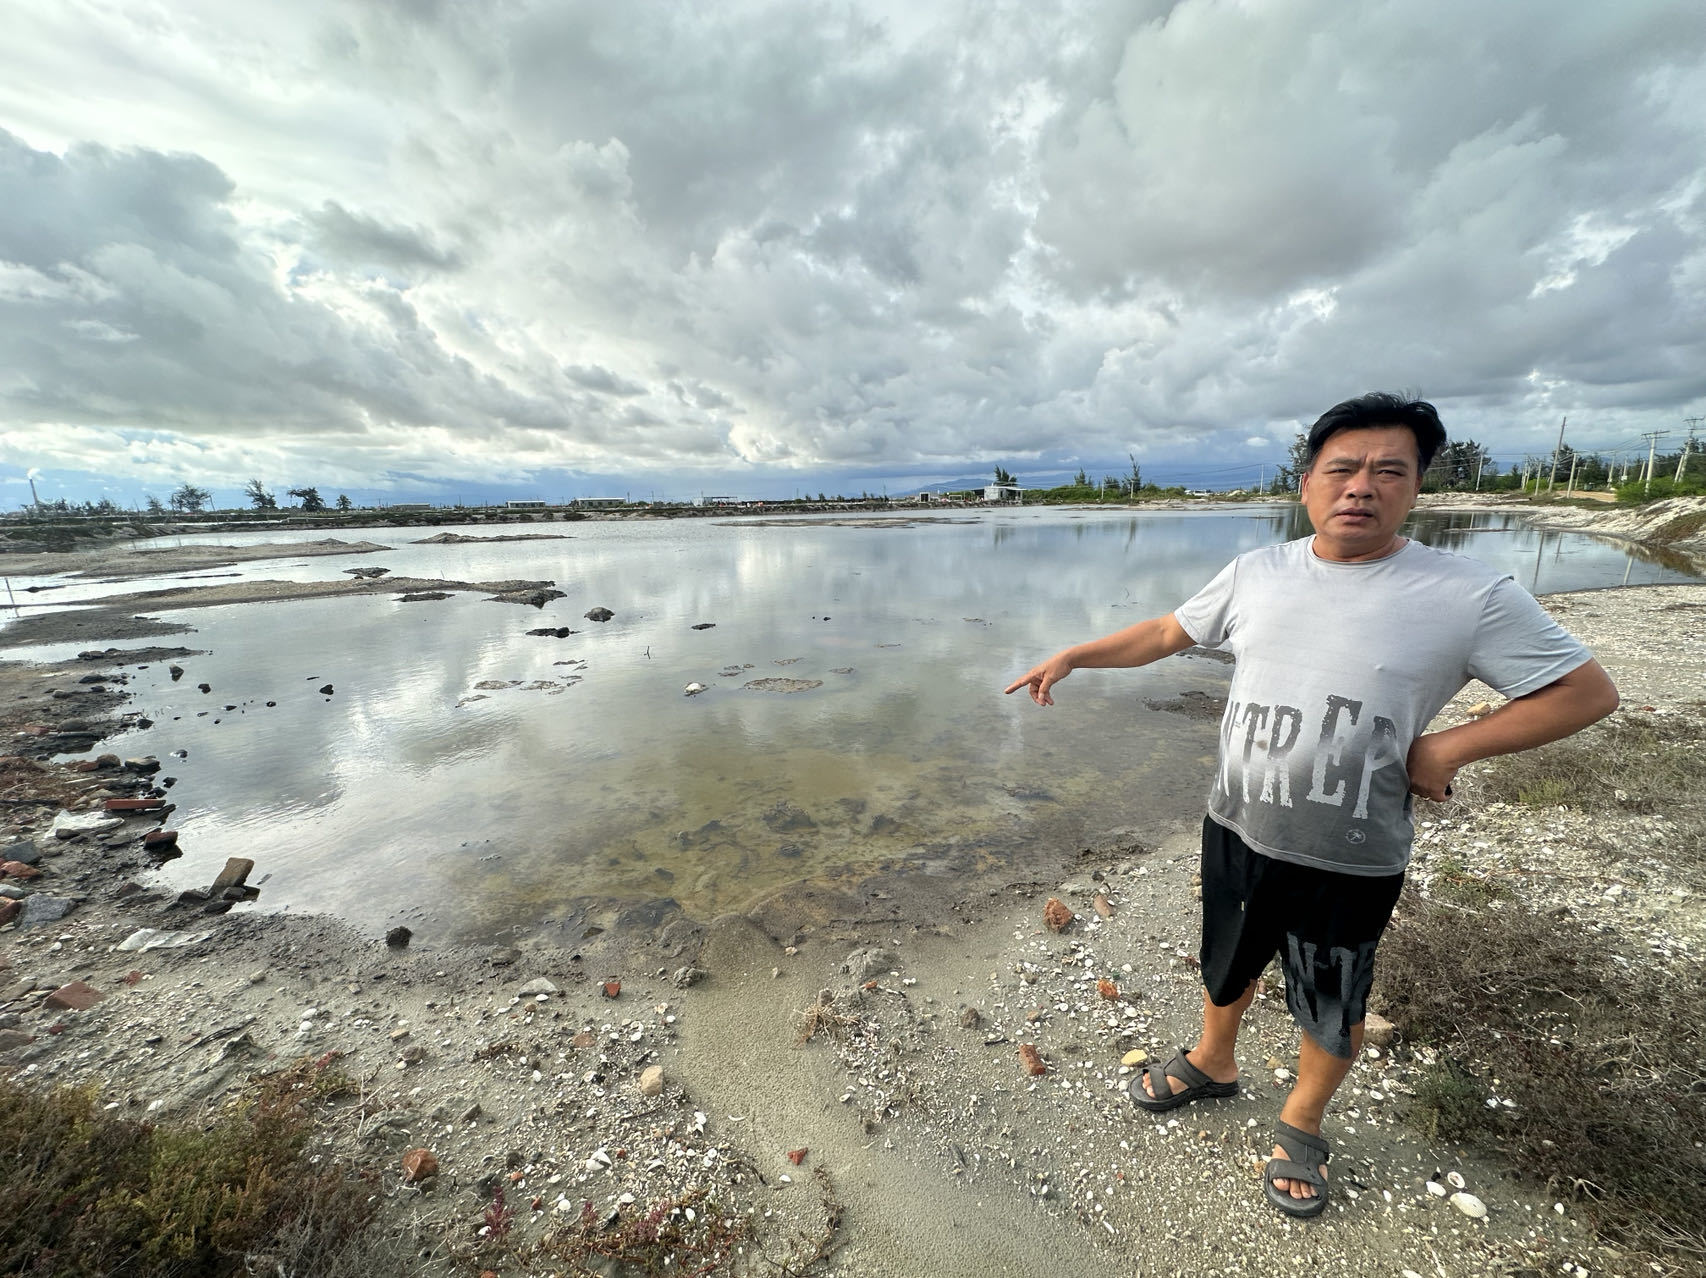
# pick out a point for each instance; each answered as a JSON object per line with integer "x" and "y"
{"x": 1324, "y": 926}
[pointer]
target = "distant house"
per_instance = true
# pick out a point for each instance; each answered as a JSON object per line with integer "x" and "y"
{"x": 1003, "y": 493}
{"x": 599, "y": 503}
{"x": 410, "y": 505}
{"x": 719, "y": 501}
{"x": 524, "y": 505}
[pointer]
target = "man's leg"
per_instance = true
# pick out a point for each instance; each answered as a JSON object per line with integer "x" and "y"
{"x": 1213, "y": 1054}
{"x": 1319, "y": 1074}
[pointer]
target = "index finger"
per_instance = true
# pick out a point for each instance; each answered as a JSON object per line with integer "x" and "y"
{"x": 1019, "y": 683}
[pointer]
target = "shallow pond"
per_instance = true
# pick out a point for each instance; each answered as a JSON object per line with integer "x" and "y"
{"x": 581, "y": 770}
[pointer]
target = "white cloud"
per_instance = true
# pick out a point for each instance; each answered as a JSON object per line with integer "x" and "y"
{"x": 453, "y": 240}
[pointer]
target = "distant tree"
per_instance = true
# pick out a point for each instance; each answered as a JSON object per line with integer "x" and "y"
{"x": 1287, "y": 479}
{"x": 104, "y": 506}
{"x": 1113, "y": 484}
{"x": 1136, "y": 479}
{"x": 258, "y": 496}
{"x": 188, "y": 499}
{"x": 155, "y": 505}
{"x": 309, "y": 497}
{"x": 1002, "y": 477}
{"x": 1081, "y": 480}
{"x": 344, "y": 503}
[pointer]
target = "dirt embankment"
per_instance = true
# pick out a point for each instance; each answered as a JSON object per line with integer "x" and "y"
{"x": 1675, "y": 524}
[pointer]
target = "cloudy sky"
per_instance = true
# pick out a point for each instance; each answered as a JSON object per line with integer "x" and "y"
{"x": 422, "y": 249}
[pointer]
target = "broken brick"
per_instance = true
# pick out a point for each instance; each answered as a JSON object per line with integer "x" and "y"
{"x": 75, "y": 997}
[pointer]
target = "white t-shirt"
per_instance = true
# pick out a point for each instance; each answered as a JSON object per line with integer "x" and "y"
{"x": 1340, "y": 667}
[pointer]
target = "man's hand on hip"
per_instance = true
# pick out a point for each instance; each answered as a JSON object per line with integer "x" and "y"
{"x": 1430, "y": 768}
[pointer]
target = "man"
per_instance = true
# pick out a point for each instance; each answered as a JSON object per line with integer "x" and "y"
{"x": 1347, "y": 645}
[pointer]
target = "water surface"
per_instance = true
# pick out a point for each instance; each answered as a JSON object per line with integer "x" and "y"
{"x": 410, "y": 792}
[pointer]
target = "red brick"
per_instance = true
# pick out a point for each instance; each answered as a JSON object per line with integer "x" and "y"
{"x": 18, "y": 870}
{"x": 135, "y": 805}
{"x": 75, "y": 997}
{"x": 237, "y": 869}
{"x": 159, "y": 838}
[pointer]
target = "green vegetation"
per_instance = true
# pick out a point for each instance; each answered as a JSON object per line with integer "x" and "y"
{"x": 84, "y": 1192}
{"x": 1601, "y": 1057}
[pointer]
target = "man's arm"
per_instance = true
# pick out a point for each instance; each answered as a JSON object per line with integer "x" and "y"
{"x": 1134, "y": 646}
{"x": 1583, "y": 696}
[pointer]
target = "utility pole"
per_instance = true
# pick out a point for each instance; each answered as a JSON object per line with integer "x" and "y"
{"x": 1652, "y": 437}
{"x": 1693, "y": 423}
{"x": 1480, "y": 461}
{"x": 1570, "y": 483}
{"x": 1557, "y": 448}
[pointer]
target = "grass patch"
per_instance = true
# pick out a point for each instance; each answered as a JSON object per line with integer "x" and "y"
{"x": 84, "y": 1192}
{"x": 1634, "y": 762}
{"x": 688, "y": 1235}
{"x": 1604, "y": 1058}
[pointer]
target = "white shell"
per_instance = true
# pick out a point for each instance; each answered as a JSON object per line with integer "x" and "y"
{"x": 1469, "y": 1205}
{"x": 1436, "y": 1189}
{"x": 1456, "y": 1179}
{"x": 693, "y": 689}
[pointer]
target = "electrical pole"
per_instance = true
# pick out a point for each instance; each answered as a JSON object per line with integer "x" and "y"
{"x": 1480, "y": 462}
{"x": 1570, "y": 483}
{"x": 1557, "y": 448}
{"x": 1652, "y": 437}
{"x": 1693, "y": 424}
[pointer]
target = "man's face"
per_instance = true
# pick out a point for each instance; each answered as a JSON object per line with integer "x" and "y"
{"x": 1360, "y": 490}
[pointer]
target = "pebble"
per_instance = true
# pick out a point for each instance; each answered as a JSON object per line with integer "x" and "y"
{"x": 538, "y": 985}
{"x": 651, "y": 1080}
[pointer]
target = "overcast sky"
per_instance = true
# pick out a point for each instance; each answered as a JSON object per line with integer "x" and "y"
{"x": 422, "y": 249}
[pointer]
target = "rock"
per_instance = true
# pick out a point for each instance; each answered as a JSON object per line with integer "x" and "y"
{"x": 693, "y": 689}
{"x": 9, "y": 910}
{"x": 326, "y": 690}
{"x": 1469, "y": 1205}
{"x": 686, "y": 976}
{"x": 177, "y": 672}
{"x": 367, "y": 574}
{"x": 863, "y": 964}
{"x": 146, "y": 767}
{"x": 423, "y": 596}
{"x": 419, "y": 1165}
{"x": 703, "y": 625}
{"x": 237, "y": 870}
{"x": 18, "y": 870}
{"x": 1137, "y": 1056}
{"x": 797, "y": 1156}
{"x": 538, "y": 985}
{"x": 529, "y": 596}
{"x": 651, "y": 1080}
{"x": 398, "y": 938}
{"x": 1031, "y": 1061}
{"x": 503, "y": 956}
{"x": 599, "y": 614}
{"x": 553, "y": 632}
{"x": 1104, "y": 907}
{"x": 1480, "y": 710}
{"x": 970, "y": 1018}
{"x": 1377, "y": 1031}
{"x": 12, "y": 1039}
{"x": 783, "y": 817}
{"x": 25, "y": 851}
{"x": 75, "y": 997}
{"x": 1107, "y": 989}
{"x": 583, "y": 1040}
{"x": 612, "y": 989}
{"x": 204, "y": 687}
{"x": 69, "y": 825}
{"x": 44, "y": 909}
{"x": 160, "y": 839}
{"x": 782, "y": 685}
{"x": 1057, "y": 916}
{"x": 152, "y": 938}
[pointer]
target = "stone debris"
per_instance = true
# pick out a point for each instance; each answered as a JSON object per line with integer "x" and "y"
{"x": 419, "y": 1165}
{"x": 651, "y": 1080}
{"x": 779, "y": 684}
{"x": 151, "y": 938}
{"x": 1031, "y": 1059}
{"x": 78, "y": 996}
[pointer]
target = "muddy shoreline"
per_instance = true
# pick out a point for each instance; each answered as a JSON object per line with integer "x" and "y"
{"x": 937, "y": 1152}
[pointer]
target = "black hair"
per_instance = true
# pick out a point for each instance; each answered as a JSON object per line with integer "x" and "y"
{"x": 1375, "y": 410}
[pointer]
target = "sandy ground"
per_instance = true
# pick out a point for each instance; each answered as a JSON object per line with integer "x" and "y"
{"x": 922, "y": 1135}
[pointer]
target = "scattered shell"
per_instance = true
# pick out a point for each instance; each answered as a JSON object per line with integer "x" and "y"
{"x": 1137, "y": 1056}
{"x": 693, "y": 689}
{"x": 1456, "y": 1179}
{"x": 1469, "y": 1205}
